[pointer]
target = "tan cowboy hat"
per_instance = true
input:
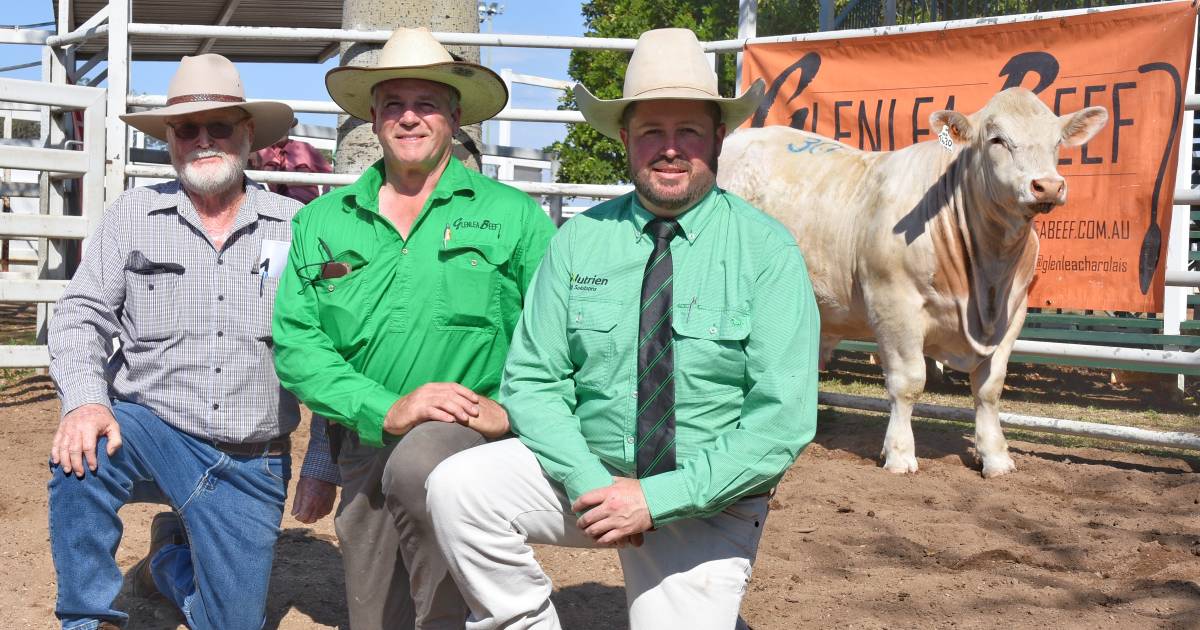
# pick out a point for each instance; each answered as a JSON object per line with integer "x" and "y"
{"x": 413, "y": 53}
{"x": 207, "y": 82}
{"x": 667, "y": 63}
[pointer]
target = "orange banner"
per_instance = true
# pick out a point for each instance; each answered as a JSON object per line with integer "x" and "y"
{"x": 1105, "y": 249}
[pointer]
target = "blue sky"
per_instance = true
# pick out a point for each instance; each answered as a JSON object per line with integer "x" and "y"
{"x": 306, "y": 81}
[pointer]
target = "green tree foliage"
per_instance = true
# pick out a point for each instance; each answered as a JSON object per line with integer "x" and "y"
{"x": 588, "y": 157}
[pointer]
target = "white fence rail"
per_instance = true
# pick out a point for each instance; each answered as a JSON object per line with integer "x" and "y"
{"x": 86, "y": 164}
{"x": 1172, "y": 439}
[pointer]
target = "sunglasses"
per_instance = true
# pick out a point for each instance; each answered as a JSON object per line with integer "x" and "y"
{"x": 215, "y": 130}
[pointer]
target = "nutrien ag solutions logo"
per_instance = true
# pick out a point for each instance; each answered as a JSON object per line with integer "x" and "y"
{"x": 581, "y": 282}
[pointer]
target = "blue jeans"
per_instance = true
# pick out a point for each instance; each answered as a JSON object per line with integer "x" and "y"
{"x": 231, "y": 507}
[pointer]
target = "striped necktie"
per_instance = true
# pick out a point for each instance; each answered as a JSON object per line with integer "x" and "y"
{"x": 656, "y": 361}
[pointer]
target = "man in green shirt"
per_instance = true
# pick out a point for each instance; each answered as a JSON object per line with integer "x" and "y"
{"x": 661, "y": 380}
{"x": 394, "y": 317}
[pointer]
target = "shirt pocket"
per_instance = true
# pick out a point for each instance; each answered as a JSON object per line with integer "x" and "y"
{"x": 710, "y": 356}
{"x": 262, "y": 306}
{"x": 343, "y": 307}
{"x": 470, "y": 276}
{"x": 151, "y": 304}
{"x": 591, "y": 340}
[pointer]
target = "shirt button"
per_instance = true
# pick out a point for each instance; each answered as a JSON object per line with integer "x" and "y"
{"x": 633, "y": 394}
{"x": 217, "y": 370}
{"x": 150, "y": 287}
{"x": 474, "y": 262}
{"x": 712, "y": 331}
{"x": 220, "y": 334}
{"x": 220, "y": 261}
{"x": 216, "y": 406}
{"x": 220, "y": 298}
{"x": 330, "y": 288}
{"x": 629, "y": 439}
{"x": 404, "y": 251}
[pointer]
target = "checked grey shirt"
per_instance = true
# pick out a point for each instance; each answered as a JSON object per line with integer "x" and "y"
{"x": 194, "y": 323}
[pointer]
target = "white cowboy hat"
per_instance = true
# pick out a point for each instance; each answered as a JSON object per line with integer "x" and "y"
{"x": 413, "y": 53}
{"x": 207, "y": 82}
{"x": 667, "y": 63}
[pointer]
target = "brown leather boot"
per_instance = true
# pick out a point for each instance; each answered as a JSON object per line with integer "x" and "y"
{"x": 166, "y": 529}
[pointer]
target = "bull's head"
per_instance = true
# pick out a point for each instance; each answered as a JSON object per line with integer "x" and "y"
{"x": 1017, "y": 139}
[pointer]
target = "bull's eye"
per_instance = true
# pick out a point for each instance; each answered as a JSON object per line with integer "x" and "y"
{"x": 998, "y": 140}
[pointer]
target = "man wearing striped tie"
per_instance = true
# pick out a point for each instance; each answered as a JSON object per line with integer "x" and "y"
{"x": 661, "y": 380}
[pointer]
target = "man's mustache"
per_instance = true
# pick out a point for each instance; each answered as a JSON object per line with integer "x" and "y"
{"x": 200, "y": 154}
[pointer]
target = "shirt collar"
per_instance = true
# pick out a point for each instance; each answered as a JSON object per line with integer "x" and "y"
{"x": 173, "y": 197}
{"x": 454, "y": 180}
{"x": 691, "y": 223}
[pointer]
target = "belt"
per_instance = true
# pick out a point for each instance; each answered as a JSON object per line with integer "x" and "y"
{"x": 271, "y": 448}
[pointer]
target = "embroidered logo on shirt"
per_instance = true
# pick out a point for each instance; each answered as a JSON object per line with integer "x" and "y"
{"x": 587, "y": 283}
{"x": 485, "y": 224}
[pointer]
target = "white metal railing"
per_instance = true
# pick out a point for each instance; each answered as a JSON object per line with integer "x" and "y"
{"x": 1172, "y": 439}
{"x": 600, "y": 191}
{"x": 87, "y": 164}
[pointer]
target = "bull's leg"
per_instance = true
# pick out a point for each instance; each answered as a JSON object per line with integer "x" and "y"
{"x": 828, "y": 343}
{"x": 904, "y": 374}
{"x": 987, "y": 381}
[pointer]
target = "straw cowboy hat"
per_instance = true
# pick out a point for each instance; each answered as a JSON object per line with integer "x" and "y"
{"x": 667, "y": 63}
{"x": 413, "y": 53}
{"x": 207, "y": 82}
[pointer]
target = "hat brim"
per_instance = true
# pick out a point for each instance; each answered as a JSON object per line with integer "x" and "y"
{"x": 482, "y": 93}
{"x": 272, "y": 120}
{"x": 605, "y": 116}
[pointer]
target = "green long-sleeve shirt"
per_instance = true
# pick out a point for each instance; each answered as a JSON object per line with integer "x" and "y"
{"x": 437, "y": 306}
{"x": 745, "y": 342}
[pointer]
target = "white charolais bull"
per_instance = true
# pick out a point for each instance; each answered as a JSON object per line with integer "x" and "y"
{"x": 929, "y": 250}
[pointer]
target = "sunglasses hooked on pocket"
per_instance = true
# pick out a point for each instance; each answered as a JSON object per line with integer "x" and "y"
{"x": 138, "y": 263}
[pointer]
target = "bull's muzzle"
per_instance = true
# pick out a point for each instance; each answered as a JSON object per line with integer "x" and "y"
{"x": 1047, "y": 192}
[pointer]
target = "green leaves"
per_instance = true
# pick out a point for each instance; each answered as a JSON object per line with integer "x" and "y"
{"x": 586, "y": 156}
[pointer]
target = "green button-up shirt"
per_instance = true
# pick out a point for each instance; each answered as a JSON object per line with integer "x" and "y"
{"x": 745, "y": 346}
{"x": 437, "y": 306}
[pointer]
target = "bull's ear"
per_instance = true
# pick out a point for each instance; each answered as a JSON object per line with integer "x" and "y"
{"x": 956, "y": 124}
{"x": 1079, "y": 127}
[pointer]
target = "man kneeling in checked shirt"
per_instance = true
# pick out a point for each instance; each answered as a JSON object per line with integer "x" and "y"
{"x": 188, "y": 411}
{"x": 661, "y": 379}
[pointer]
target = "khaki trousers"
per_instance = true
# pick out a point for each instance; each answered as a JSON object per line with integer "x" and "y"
{"x": 395, "y": 576}
{"x": 489, "y": 503}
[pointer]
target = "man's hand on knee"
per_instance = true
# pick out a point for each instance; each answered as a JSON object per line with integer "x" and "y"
{"x": 314, "y": 499}
{"x": 616, "y": 515}
{"x": 441, "y": 402}
{"x": 77, "y": 435}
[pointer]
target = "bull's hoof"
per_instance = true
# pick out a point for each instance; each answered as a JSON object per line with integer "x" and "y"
{"x": 900, "y": 464}
{"x": 998, "y": 465}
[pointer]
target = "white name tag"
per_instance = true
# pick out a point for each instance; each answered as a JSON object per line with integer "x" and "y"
{"x": 272, "y": 258}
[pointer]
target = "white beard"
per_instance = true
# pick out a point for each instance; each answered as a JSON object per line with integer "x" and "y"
{"x": 212, "y": 179}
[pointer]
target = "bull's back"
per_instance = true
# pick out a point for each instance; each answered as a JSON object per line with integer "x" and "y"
{"x": 816, "y": 188}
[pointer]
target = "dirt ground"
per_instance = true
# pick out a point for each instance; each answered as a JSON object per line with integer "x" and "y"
{"x": 1079, "y": 537}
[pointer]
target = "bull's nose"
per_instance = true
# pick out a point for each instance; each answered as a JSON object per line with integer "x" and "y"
{"x": 1049, "y": 190}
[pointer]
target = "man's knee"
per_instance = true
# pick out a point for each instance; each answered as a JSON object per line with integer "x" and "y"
{"x": 450, "y": 491}
{"x": 418, "y": 454}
